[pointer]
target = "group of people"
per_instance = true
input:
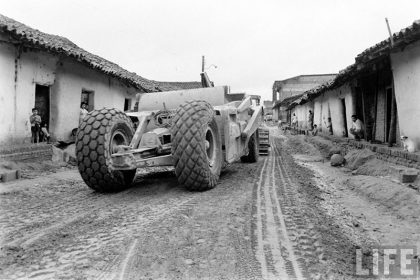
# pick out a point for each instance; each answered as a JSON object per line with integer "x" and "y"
{"x": 39, "y": 129}
{"x": 357, "y": 128}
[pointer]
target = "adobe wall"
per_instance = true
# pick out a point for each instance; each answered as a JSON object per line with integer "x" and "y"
{"x": 329, "y": 104}
{"x": 73, "y": 77}
{"x": 406, "y": 71}
{"x": 20, "y": 72}
{"x": 302, "y": 113}
{"x": 7, "y": 89}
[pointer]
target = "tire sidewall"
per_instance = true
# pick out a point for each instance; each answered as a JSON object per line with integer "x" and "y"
{"x": 190, "y": 125}
{"x": 93, "y": 149}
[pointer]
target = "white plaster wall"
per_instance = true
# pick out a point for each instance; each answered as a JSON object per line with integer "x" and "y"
{"x": 34, "y": 67}
{"x": 302, "y": 112}
{"x": 66, "y": 78}
{"x": 329, "y": 105}
{"x": 18, "y": 89}
{"x": 7, "y": 89}
{"x": 72, "y": 77}
{"x": 406, "y": 72}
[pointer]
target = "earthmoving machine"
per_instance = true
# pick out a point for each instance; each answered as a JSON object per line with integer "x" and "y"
{"x": 197, "y": 131}
{"x": 263, "y": 132}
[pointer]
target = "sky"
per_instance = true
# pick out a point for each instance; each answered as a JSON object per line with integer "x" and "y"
{"x": 252, "y": 43}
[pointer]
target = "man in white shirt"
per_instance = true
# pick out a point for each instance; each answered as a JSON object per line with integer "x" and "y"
{"x": 294, "y": 121}
{"x": 357, "y": 128}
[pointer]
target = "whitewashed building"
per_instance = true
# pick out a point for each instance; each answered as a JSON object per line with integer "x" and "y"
{"x": 382, "y": 88}
{"x": 53, "y": 74}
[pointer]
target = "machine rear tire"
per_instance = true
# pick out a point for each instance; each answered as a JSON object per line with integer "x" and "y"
{"x": 196, "y": 146}
{"x": 253, "y": 149}
{"x": 98, "y": 134}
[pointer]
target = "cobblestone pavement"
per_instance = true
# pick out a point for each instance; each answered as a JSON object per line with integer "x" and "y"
{"x": 261, "y": 222}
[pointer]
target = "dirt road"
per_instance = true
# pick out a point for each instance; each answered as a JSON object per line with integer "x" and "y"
{"x": 263, "y": 221}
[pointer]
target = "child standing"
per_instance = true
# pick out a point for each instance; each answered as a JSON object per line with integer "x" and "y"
{"x": 35, "y": 120}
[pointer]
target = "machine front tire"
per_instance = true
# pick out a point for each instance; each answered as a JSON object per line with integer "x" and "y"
{"x": 98, "y": 135}
{"x": 196, "y": 146}
{"x": 253, "y": 149}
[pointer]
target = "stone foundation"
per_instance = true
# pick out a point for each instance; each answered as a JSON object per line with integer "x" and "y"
{"x": 27, "y": 152}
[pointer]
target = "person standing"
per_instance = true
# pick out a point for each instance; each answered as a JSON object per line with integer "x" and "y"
{"x": 310, "y": 120}
{"x": 294, "y": 121}
{"x": 357, "y": 128}
{"x": 83, "y": 111}
{"x": 35, "y": 120}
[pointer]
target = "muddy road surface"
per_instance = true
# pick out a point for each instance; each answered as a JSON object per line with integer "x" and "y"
{"x": 262, "y": 221}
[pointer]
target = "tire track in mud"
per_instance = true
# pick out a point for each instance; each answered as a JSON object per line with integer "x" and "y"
{"x": 125, "y": 263}
{"x": 286, "y": 242}
{"x": 273, "y": 249}
{"x": 304, "y": 237}
{"x": 214, "y": 232}
{"x": 259, "y": 250}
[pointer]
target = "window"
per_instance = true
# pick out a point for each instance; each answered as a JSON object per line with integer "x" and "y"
{"x": 87, "y": 97}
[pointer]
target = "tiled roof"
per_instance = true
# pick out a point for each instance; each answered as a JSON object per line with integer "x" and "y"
{"x": 287, "y": 101}
{"x": 33, "y": 38}
{"x": 402, "y": 38}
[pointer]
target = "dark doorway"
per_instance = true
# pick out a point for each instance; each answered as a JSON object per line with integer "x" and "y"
{"x": 344, "y": 116}
{"x": 359, "y": 104}
{"x": 42, "y": 103}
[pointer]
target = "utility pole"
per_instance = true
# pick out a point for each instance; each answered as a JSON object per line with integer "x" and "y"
{"x": 390, "y": 33}
{"x": 203, "y": 61}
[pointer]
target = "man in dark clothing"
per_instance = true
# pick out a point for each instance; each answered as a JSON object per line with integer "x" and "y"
{"x": 310, "y": 120}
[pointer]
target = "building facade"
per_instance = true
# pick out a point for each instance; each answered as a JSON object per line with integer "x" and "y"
{"x": 382, "y": 88}
{"x": 54, "y": 75}
{"x": 293, "y": 87}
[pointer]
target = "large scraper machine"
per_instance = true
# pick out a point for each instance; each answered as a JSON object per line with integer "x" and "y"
{"x": 197, "y": 131}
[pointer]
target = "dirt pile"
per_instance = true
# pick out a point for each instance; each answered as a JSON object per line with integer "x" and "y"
{"x": 325, "y": 147}
{"x": 377, "y": 167}
{"x": 393, "y": 195}
{"x": 299, "y": 145}
{"x": 357, "y": 158}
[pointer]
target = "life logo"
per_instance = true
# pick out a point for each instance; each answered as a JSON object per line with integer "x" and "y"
{"x": 390, "y": 262}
